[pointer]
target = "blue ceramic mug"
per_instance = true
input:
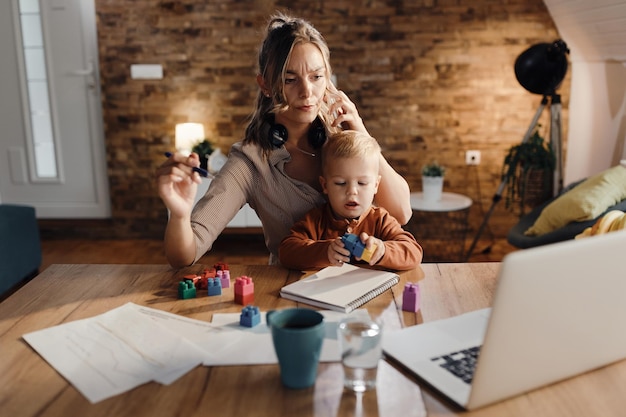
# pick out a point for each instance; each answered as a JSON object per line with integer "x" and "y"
{"x": 297, "y": 334}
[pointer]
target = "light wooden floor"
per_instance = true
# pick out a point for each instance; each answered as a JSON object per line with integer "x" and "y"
{"x": 236, "y": 249}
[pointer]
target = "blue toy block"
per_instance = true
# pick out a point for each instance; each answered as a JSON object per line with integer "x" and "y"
{"x": 214, "y": 286}
{"x": 186, "y": 289}
{"x": 224, "y": 277}
{"x": 356, "y": 247}
{"x": 353, "y": 244}
{"x": 250, "y": 316}
{"x": 411, "y": 297}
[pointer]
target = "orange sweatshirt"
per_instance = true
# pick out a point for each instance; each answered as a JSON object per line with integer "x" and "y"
{"x": 306, "y": 247}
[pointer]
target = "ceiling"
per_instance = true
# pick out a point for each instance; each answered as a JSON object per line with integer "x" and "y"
{"x": 594, "y": 30}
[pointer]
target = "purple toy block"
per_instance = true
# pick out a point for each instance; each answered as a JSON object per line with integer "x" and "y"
{"x": 250, "y": 316}
{"x": 411, "y": 297}
{"x": 224, "y": 277}
{"x": 214, "y": 286}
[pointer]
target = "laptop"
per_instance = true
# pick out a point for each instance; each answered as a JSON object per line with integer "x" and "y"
{"x": 559, "y": 310}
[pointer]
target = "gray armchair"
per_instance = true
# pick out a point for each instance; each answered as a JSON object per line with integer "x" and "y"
{"x": 517, "y": 238}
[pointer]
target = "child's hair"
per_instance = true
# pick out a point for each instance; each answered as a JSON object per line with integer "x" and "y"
{"x": 348, "y": 144}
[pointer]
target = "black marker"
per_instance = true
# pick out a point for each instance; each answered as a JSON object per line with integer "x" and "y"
{"x": 203, "y": 172}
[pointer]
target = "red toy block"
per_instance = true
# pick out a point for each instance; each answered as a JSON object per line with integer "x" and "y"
{"x": 244, "y": 290}
{"x": 198, "y": 281}
{"x": 221, "y": 266}
{"x": 209, "y": 273}
{"x": 411, "y": 297}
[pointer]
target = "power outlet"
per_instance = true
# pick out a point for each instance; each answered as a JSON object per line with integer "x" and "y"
{"x": 472, "y": 157}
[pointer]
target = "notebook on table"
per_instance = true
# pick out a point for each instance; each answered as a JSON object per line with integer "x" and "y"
{"x": 557, "y": 312}
{"x": 340, "y": 288}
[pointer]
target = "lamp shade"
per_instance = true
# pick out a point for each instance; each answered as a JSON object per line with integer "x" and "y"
{"x": 188, "y": 135}
{"x": 541, "y": 68}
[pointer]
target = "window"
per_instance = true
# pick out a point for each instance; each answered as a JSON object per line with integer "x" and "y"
{"x": 41, "y": 133}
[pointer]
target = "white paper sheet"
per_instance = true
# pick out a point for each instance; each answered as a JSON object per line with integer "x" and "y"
{"x": 225, "y": 342}
{"x": 237, "y": 345}
{"x": 128, "y": 346}
{"x": 114, "y": 352}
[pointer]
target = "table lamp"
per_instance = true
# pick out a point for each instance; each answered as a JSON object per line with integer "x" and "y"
{"x": 187, "y": 136}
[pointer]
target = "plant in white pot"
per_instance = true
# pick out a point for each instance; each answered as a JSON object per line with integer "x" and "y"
{"x": 432, "y": 181}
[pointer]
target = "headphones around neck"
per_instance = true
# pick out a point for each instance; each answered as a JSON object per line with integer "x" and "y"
{"x": 278, "y": 135}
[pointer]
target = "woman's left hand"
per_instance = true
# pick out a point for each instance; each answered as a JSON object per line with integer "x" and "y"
{"x": 345, "y": 111}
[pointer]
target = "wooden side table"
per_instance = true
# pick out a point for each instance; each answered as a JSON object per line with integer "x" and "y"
{"x": 440, "y": 226}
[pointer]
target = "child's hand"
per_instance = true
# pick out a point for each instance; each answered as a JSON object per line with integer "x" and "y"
{"x": 337, "y": 253}
{"x": 375, "y": 246}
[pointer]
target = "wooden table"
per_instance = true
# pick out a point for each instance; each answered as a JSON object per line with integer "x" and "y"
{"x": 62, "y": 293}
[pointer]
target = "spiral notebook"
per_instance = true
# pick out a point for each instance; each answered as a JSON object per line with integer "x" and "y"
{"x": 340, "y": 288}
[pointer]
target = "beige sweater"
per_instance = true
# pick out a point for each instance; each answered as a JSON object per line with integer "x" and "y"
{"x": 247, "y": 177}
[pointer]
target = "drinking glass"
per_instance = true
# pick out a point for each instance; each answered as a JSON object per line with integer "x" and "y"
{"x": 360, "y": 340}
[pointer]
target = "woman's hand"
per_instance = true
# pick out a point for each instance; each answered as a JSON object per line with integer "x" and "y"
{"x": 337, "y": 253}
{"x": 178, "y": 183}
{"x": 344, "y": 110}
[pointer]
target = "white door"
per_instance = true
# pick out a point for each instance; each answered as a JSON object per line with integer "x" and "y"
{"x": 51, "y": 137}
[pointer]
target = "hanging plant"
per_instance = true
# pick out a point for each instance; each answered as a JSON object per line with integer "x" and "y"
{"x": 524, "y": 163}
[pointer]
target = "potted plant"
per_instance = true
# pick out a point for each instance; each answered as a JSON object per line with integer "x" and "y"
{"x": 204, "y": 149}
{"x": 432, "y": 181}
{"x": 530, "y": 168}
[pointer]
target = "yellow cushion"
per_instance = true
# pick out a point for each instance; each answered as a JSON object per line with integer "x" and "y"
{"x": 584, "y": 202}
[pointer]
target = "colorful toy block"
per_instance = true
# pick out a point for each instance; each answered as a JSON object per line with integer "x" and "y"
{"x": 356, "y": 247}
{"x": 411, "y": 297}
{"x": 186, "y": 289}
{"x": 221, "y": 266}
{"x": 250, "y": 316}
{"x": 224, "y": 277}
{"x": 198, "y": 281}
{"x": 209, "y": 273}
{"x": 214, "y": 286}
{"x": 244, "y": 290}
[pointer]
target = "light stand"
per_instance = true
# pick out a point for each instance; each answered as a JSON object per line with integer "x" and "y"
{"x": 540, "y": 69}
{"x": 556, "y": 143}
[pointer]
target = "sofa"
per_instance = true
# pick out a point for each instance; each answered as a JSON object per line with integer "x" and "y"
{"x": 20, "y": 246}
{"x": 584, "y": 201}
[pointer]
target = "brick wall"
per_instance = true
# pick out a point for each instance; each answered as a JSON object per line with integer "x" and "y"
{"x": 431, "y": 78}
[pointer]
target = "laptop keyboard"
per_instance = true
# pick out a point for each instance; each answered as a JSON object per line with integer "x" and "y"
{"x": 461, "y": 364}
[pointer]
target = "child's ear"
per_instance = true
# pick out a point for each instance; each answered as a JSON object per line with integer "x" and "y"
{"x": 377, "y": 184}
{"x": 323, "y": 183}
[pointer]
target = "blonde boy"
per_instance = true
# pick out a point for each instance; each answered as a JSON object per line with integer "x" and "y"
{"x": 350, "y": 178}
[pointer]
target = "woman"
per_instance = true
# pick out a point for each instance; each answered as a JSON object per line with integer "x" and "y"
{"x": 276, "y": 168}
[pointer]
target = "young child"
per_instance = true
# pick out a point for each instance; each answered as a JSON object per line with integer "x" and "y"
{"x": 350, "y": 178}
